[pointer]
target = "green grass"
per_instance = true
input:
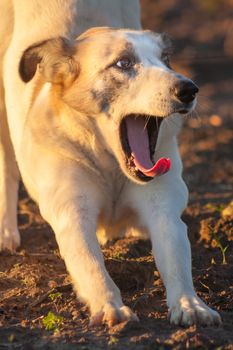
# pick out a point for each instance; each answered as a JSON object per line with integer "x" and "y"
{"x": 219, "y": 245}
{"x": 52, "y": 322}
{"x": 55, "y": 296}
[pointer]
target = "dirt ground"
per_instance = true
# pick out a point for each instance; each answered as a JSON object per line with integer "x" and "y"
{"x": 34, "y": 282}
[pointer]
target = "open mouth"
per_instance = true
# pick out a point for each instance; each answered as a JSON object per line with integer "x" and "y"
{"x": 138, "y": 135}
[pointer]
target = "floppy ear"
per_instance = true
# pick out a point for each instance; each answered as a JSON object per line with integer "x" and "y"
{"x": 55, "y": 58}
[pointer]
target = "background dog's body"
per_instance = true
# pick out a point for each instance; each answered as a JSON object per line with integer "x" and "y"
{"x": 64, "y": 128}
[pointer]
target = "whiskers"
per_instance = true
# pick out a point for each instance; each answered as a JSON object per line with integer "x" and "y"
{"x": 147, "y": 121}
{"x": 194, "y": 114}
{"x": 157, "y": 120}
{"x": 204, "y": 103}
{"x": 203, "y": 108}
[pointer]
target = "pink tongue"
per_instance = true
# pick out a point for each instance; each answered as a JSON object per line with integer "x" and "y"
{"x": 139, "y": 144}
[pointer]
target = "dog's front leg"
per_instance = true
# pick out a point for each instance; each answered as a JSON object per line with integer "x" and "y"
{"x": 171, "y": 249}
{"x": 73, "y": 215}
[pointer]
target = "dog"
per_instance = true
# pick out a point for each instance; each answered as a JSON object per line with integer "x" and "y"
{"x": 89, "y": 118}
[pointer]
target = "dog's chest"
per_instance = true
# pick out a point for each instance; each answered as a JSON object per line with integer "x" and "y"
{"x": 116, "y": 216}
{"x": 113, "y": 196}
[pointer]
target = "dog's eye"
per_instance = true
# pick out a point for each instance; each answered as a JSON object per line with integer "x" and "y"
{"x": 125, "y": 63}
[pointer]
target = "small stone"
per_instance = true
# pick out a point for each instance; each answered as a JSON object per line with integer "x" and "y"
{"x": 75, "y": 315}
{"x": 24, "y": 323}
{"x": 52, "y": 284}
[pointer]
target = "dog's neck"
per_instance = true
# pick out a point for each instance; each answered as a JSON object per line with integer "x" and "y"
{"x": 56, "y": 126}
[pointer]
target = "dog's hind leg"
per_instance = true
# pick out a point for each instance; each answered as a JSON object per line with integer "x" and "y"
{"x": 9, "y": 179}
{"x": 9, "y": 174}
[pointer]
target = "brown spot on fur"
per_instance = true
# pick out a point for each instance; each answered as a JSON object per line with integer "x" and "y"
{"x": 103, "y": 99}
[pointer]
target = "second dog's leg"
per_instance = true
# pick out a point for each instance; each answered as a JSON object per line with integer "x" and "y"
{"x": 9, "y": 180}
{"x": 72, "y": 209}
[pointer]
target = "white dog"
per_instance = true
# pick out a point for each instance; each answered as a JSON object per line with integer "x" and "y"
{"x": 88, "y": 119}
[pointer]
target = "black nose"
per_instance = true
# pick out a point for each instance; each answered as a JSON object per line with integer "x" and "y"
{"x": 185, "y": 91}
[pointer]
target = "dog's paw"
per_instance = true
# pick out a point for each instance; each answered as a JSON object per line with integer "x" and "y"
{"x": 190, "y": 310}
{"x": 9, "y": 239}
{"x": 112, "y": 315}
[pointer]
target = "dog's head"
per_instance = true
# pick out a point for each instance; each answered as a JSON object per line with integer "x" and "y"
{"x": 122, "y": 79}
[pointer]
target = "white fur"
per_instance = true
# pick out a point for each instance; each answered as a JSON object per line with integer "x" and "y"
{"x": 81, "y": 195}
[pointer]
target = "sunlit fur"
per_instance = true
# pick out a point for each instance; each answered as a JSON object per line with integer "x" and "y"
{"x": 64, "y": 122}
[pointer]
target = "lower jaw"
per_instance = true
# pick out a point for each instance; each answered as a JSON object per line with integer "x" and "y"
{"x": 142, "y": 178}
{"x": 138, "y": 177}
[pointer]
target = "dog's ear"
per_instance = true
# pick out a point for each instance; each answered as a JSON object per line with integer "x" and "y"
{"x": 55, "y": 59}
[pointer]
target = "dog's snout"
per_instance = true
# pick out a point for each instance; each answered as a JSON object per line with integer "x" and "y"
{"x": 185, "y": 91}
